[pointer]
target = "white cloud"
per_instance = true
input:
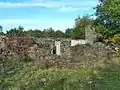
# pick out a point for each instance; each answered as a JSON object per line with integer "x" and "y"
{"x": 7, "y": 5}
{"x": 68, "y": 9}
{"x": 60, "y": 6}
{"x": 72, "y": 9}
{"x": 50, "y": 4}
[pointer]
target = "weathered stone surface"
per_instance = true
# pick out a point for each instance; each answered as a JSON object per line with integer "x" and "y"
{"x": 41, "y": 51}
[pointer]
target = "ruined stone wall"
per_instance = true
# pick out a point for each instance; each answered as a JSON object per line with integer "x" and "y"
{"x": 41, "y": 51}
{"x": 91, "y": 55}
{"x": 82, "y": 55}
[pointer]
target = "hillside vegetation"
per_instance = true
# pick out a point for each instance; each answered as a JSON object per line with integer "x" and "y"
{"x": 16, "y": 75}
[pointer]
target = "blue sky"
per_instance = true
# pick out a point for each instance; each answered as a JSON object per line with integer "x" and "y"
{"x": 40, "y": 14}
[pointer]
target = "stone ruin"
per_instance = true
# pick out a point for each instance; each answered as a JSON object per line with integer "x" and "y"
{"x": 57, "y": 52}
{"x": 90, "y": 34}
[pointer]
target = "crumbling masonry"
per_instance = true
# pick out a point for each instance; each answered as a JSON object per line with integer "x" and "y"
{"x": 56, "y": 52}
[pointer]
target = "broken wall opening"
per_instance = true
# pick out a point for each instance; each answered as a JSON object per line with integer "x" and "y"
{"x": 54, "y": 50}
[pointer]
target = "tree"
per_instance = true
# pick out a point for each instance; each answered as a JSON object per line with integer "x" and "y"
{"x": 80, "y": 25}
{"x": 48, "y": 33}
{"x": 108, "y": 17}
{"x": 34, "y": 33}
{"x": 20, "y": 28}
{"x": 69, "y": 32}
{"x": 1, "y": 28}
{"x": 83, "y": 22}
{"x": 16, "y": 31}
{"x": 59, "y": 34}
{"x": 78, "y": 32}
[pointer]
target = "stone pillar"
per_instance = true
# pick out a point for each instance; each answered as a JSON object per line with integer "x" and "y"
{"x": 89, "y": 34}
{"x": 57, "y": 44}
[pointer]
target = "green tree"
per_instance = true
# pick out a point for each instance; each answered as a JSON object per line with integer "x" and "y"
{"x": 108, "y": 17}
{"x": 34, "y": 33}
{"x": 69, "y": 32}
{"x": 78, "y": 33}
{"x": 48, "y": 33}
{"x": 59, "y": 34}
{"x": 83, "y": 22}
{"x": 16, "y": 31}
{"x": 1, "y": 28}
{"x": 80, "y": 25}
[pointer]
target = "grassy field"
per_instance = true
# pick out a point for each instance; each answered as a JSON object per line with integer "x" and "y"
{"x": 26, "y": 76}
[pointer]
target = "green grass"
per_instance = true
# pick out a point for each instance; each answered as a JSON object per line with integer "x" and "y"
{"x": 27, "y": 76}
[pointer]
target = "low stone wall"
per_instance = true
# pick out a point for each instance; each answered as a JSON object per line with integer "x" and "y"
{"x": 41, "y": 51}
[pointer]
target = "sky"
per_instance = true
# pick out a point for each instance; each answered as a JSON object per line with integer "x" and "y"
{"x": 43, "y": 14}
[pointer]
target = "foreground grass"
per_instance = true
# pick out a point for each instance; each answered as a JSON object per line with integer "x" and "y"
{"x": 22, "y": 76}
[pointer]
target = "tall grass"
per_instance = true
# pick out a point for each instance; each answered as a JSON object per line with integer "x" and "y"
{"x": 27, "y": 76}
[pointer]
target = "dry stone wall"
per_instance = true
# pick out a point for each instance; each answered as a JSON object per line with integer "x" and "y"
{"x": 41, "y": 50}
